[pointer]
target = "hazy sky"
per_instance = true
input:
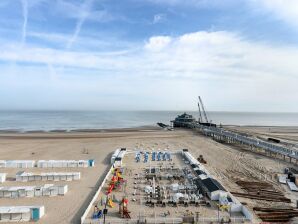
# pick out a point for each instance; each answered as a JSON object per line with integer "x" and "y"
{"x": 239, "y": 55}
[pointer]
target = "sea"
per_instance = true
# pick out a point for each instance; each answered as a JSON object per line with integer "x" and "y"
{"x": 27, "y": 121}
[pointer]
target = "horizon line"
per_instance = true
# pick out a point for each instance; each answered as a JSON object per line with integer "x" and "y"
{"x": 138, "y": 110}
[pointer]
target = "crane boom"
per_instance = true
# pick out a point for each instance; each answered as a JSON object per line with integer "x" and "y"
{"x": 203, "y": 109}
{"x": 200, "y": 113}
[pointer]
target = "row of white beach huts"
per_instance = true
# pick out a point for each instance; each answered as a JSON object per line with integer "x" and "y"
{"x": 51, "y": 176}
{"x": 45, "y": 163}
{"x": 33, "y": 191}
{"x": 21, "y": 213}
{"x": 34, "y": 213}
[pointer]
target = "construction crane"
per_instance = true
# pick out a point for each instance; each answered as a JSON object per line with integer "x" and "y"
{"x": 202, "y": 111}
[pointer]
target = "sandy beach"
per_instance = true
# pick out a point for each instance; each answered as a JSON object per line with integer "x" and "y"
{"x": 226, "y": 163}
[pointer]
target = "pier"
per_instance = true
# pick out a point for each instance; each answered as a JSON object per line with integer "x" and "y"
{"x": 270, "y": 149}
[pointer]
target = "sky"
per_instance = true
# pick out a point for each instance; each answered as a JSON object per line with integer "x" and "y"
{"x": 238, "y": 55}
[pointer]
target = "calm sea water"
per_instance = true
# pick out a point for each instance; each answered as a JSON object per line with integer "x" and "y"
{"x": 71, "y": 120}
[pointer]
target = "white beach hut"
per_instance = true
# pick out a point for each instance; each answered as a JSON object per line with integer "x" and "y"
{"x": 62, "y": 190}
{"x": 2, "y": 177}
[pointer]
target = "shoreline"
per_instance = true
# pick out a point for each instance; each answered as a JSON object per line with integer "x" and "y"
{"x": 127, "y": 129}
{"x": 80, "y": 130}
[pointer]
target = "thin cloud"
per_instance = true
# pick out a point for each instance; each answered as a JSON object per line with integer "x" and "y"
{"x": 158, "y": 18}
{"x": 25, "y": 16}
{"x": 197, "y": 3}
{"x": 158, "y": 43}
{"x": 201, "y": 54}
{"x": 83, "y": 15}
{"x": 50, "y": 37}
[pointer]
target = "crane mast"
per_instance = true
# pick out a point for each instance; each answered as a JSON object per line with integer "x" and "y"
{"x": 203, "y": 109}
{"x": 200, "y": 113}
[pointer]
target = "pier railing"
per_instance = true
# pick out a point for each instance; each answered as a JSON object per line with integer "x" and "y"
{"x": 215, "y": 131}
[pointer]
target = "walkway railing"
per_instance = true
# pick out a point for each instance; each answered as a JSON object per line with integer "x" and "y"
{"x": 247, "y": 140}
